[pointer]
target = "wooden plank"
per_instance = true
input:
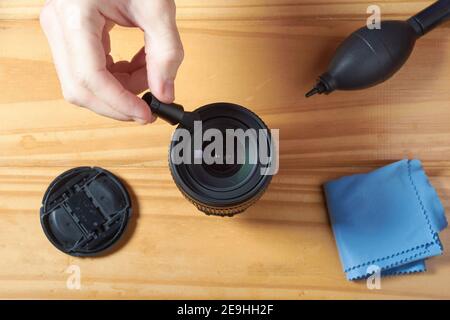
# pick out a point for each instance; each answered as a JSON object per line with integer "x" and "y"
{"x": 274, "y": 250}
{"x": 248, "y": 9}
{"x": 261, "y": 54}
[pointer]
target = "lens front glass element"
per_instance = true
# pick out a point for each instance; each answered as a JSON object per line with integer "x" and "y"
{"x": 234, "y": 177}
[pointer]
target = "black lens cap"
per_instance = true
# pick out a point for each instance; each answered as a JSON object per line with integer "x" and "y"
{"x": 85, "y": 211}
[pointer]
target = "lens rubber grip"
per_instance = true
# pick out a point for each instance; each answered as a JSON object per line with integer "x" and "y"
{"x": 216, "y": 211}
{"x": 221, "y": 212}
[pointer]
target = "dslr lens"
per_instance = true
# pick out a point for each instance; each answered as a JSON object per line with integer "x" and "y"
{"x": 227, "y": 186}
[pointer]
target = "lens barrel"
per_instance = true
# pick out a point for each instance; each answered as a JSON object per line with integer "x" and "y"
{"x": 224, "y": 188}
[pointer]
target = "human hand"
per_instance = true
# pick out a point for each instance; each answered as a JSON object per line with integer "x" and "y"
{"x": 78, "y": 34}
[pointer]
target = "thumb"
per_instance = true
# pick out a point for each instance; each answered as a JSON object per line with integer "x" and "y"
{"x": 164, "y": 54}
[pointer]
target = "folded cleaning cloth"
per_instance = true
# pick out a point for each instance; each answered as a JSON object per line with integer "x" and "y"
{"x": 388, "y": 218}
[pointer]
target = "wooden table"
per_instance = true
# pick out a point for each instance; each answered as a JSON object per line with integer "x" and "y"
{"x": 261, "y": 54}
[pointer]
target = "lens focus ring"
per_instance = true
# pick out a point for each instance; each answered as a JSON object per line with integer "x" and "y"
{"x": 221, "y": 212}
{"x": 224, "y": 190}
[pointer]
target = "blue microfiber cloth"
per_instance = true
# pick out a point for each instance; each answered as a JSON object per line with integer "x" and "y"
{"x": 389, "y": 218}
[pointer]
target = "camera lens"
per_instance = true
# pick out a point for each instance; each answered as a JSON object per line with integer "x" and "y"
{"x": 224, "y": 169}
{"x": 237, "y": 177}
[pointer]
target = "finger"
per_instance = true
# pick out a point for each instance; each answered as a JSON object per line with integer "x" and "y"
{"x": 163, "y": 49}
{"x": 132, "y": 75}
{"x": 139, "y": 59}
{"x": 106, "y": 39}
{"x": 76, "y": 95}
{"x": 135, "y": 82}
{"x": 120, "y": 67}
{"x": 137, "y": 62}
{"x": 164, "y": 54}
{"x": 87, "y": 53}
{"x": 90, "y": 101}
{"x": 109, "y": 61}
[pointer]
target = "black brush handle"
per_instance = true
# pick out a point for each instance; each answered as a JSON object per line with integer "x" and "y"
{"x": 431, "y": 17}
{"x": 172, "y": 113}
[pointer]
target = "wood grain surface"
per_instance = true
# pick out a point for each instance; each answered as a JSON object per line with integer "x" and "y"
{"x": 263, "y": 54}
